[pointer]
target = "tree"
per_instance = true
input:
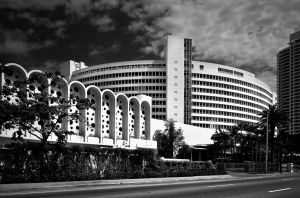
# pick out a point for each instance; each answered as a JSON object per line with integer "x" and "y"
{"x": 242, "y": 139}
{"x": 221, "y": 139}
{"x": 31, "y": 109}
{"x": 184, "y": 152}
{"x": 276, "y": 118}
{"x": 170, "y": 140}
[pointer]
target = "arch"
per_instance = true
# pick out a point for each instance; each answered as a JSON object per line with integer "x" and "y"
{"x": 134, "y": 117}
{"x": 77, "y": 90}
{"x": 34, "y": 71}
{"x": 18, "y": 67}
{"x": 36, "y": 86}
{"x": 81, "y": 89}
{"x": 13, "y": 73}
{"x": 122, "y": 117}
{"x": 108, "y": 115}
{"x": 146, "y": 120}
{"x": 93, "y": 116}
{"x": 59, "y": 88}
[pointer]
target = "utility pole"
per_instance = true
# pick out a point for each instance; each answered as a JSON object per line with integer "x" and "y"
{"x": 267, "y": 142}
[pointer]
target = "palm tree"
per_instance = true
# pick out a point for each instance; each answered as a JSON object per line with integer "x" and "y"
{"x": 221, "y": 139}
{"x": 275, "y": 118}
{"x": 170, "y": 140}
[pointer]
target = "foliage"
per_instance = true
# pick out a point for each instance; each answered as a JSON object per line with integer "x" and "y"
{"x": 170, "y": 140}
{"x": 184, "y": 152}
{"x": 221, "y": 141}
{"x": 29, "y": 108}
{"x": 20, "y": 163}
{"x": 275, "y": 118}
{"x": 244, "y": 142}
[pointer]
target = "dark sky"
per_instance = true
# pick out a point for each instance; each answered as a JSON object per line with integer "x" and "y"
{"x": 39, "y": 34}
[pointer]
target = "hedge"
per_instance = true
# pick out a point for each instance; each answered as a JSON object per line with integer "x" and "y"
{"x": 29, "y": 162}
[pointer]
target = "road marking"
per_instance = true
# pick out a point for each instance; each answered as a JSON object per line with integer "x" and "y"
{"x": 287, "y": 179}
{"x": 279, "y": 190}
{"x": 221, "y": 185}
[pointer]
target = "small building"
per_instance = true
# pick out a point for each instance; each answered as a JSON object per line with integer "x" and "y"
{"x": 116, "y": 121}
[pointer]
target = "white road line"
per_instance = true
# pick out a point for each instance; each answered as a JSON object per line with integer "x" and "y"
{"x": 287, "y": 179}
{"x": 271, "y": 191}
{"x": 221, "y": 185}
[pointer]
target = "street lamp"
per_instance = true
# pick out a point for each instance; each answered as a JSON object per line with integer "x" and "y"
{"x": 267, "y": 142}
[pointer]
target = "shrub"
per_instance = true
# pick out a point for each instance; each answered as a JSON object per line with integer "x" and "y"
{"x": 26, "y": 163}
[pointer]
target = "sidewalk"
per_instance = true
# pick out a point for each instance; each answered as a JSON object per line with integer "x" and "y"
{"x": 29, "y": 188}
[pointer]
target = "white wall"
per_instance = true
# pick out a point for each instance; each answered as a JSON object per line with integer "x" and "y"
{"x": 192, "y": 135}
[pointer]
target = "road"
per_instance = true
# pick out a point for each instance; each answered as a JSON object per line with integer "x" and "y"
{"x": 281, "y": 186}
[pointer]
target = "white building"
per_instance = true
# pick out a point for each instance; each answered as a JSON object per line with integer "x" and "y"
{"x": 201, "y": 94}
{"x": 117, "y": 120}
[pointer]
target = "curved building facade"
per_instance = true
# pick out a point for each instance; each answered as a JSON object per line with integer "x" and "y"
{"x": 197, "y": 93}
{"x": 116, "y": 120}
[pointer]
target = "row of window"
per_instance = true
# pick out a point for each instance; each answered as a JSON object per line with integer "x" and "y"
{"x": 159, "y": 117}
{"x": 158, "y": 102}
{"x": 214, "y": 119}
{"x": 228, "y": 71}
{"x": 223, "y": 106}
{"x": 225, "y": 113}
{"x": 231, "y": 80}
{"x": 120, "y": 67}
{"x": 211, "y": 126}
{"x": 232, "y": 87}
{"x": 228, "y": 93}
{"x": 124, "y": 74}
{"x": 137, "y": 88}
{"x": 158, "y": 109}
{"x": 228, "y": 100}
{"x": 130, "y": 82}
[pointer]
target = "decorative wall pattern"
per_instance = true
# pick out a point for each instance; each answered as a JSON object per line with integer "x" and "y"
{"x": 114, "y": 117}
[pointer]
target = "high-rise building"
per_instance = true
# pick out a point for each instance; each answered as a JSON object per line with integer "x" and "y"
{"x": 197, "y": 93}
{"x": 288, "y": 82}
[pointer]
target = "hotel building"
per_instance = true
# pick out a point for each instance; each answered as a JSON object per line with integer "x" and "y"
{"x": 288, "y": 82}
{"x": 201, "y": 94}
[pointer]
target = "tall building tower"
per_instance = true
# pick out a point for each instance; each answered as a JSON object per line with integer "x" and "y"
{"x": 288, "y": 82}
{"x": 179, "y": 73}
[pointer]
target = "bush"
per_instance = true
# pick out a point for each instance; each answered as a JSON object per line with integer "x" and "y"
{"x": 26, "y": 162}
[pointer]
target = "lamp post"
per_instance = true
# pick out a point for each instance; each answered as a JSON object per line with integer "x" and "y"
{"x": 267, "y": 142}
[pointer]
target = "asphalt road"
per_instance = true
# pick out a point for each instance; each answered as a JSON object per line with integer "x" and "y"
{"x": 285, "y": 186}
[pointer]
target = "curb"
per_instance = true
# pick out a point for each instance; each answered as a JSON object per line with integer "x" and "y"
{"x": 56, "y": 187}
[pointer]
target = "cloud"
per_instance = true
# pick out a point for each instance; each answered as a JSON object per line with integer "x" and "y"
{"x": 51, "y": 65}
{"x": 237, "y": 33}
{"x": 100, "y": 50}
{"x": 36, "y": 4}
{"x": 269, "y": 78}
{"x": 103, "y": 23}
{"x": 57, "y": 25}
{"x": 15, "y": 42}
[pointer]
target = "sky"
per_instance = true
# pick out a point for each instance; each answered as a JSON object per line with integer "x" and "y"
{"x": 40, "y": 34}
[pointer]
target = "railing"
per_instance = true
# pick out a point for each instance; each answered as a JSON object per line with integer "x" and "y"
{"x": 249, "y": 167}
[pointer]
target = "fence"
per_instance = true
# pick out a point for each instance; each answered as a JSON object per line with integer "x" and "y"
{"x": 249, "y": 167}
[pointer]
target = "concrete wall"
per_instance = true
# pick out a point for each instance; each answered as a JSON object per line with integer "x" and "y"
{"x": 192, "y": 135}
{"x": 114, "y": 121}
